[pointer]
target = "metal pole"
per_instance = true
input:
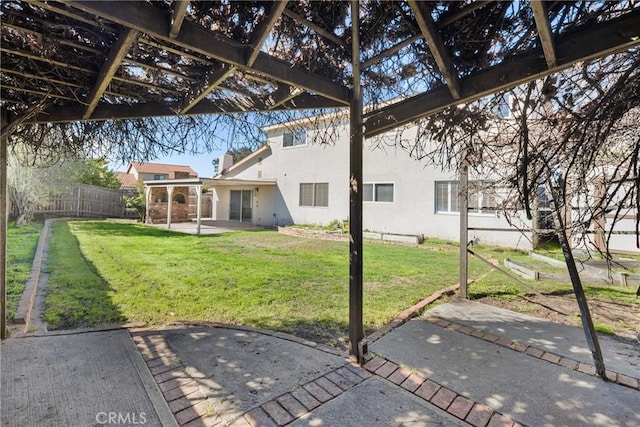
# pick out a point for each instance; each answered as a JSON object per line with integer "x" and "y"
{"x": 356, "y": 330}
{"x": 463, "y": 199}
{"x": 3, "y": 232}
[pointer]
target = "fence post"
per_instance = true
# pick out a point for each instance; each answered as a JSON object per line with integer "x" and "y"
{"x": 77, "y": 189}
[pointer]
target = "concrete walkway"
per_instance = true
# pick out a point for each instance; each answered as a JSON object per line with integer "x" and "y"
{"x": 428, "y": 372}
{"x": 82, "y": 379}
{"x": 620, "y": 355}
{"x": 473, "y": 355}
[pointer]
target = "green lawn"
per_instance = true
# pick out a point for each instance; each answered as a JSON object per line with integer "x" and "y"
{"x": 105, "y": 272}
{"x": 498, "y": 285}
{"x": 21, "y": 248}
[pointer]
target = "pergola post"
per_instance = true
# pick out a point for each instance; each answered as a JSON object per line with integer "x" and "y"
{"x": 463, "y": 199}
{"x": 4, "y": 213}
{"x": 198, "y": 206}
{"x": 356, "y": 330}
{"x": 169, "y": 203}
{"x": 147, "y": 193}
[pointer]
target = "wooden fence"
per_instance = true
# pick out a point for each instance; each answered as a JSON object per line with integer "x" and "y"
{"x": 85, "y": 201}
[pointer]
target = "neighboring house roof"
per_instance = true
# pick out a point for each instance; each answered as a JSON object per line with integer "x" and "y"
{"x": 127, "y": 180}
{"x": 160, "y": 168}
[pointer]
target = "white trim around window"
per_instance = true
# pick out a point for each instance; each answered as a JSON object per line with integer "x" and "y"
{"x": 446, "y": 197}
{"x": 314, "y": 194}
{"x": 294, "y": 138}
{"x": 378, "y": 192}
{"x": 481, "y": 198}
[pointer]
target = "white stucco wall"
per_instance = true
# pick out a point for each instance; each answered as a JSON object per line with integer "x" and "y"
{"x": 411, "y": 212}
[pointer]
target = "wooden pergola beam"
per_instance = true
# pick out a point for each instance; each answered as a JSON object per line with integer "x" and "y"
{"x": 40, "y": 77}
{"x": 441, "y": 23}
{"x": 434, "y": 41}
{"x": 53, "y": 7}
{"x": 142, "y": 110}
{"x": 215, "y": 77}
{"x": 160, "y": 46}
{"x": 260, "y": 34}
{"x": 116, "y": 54}
{"x": 49, "y": 37}
{"x": 478, "y": 4}
{"x": 39, "y": 93}
{"x": 281, "y": 95}
{"x": 387, "y": 53}
{"x": 46, "y": 60}
{"x": 315, "y": 27}
{"x": 177, "y": 17}
{"x": 597, "y": 40}
{"x": 544, "y": 32}
{"x": 212, "y": 80}
{"x": 151, "y": 20}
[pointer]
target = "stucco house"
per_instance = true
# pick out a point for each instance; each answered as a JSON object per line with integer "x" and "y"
{"x": 292, "y": 180}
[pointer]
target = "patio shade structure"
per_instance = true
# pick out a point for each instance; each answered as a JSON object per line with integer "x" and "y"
{"x": 169, "y": 185}
{"x": 102, "y": 60}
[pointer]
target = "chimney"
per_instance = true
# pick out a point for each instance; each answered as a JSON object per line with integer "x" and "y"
{"x": 224, "y": 163}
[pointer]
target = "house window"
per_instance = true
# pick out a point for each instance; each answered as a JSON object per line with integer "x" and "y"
{"x": 314, "y": 194}
{"x": 481, "y": 199}
{"x": 447, "y": 196}
{"x": 294, "y": 138}
{"x": 377, "y": 192}
{"x": 160, "y": 176}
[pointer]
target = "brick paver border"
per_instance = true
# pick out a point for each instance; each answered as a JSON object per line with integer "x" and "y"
{"x": 411, "y": 312}
{"x": 295, "y": 404}
{"x": 459, "y": 406}
{"x": 535, "y": 352}
{"x": 190, "y": 398}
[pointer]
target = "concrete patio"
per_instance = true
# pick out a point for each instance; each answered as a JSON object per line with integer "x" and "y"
{"x": 461, "y": 364}
{"x": 209, "y": 226}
